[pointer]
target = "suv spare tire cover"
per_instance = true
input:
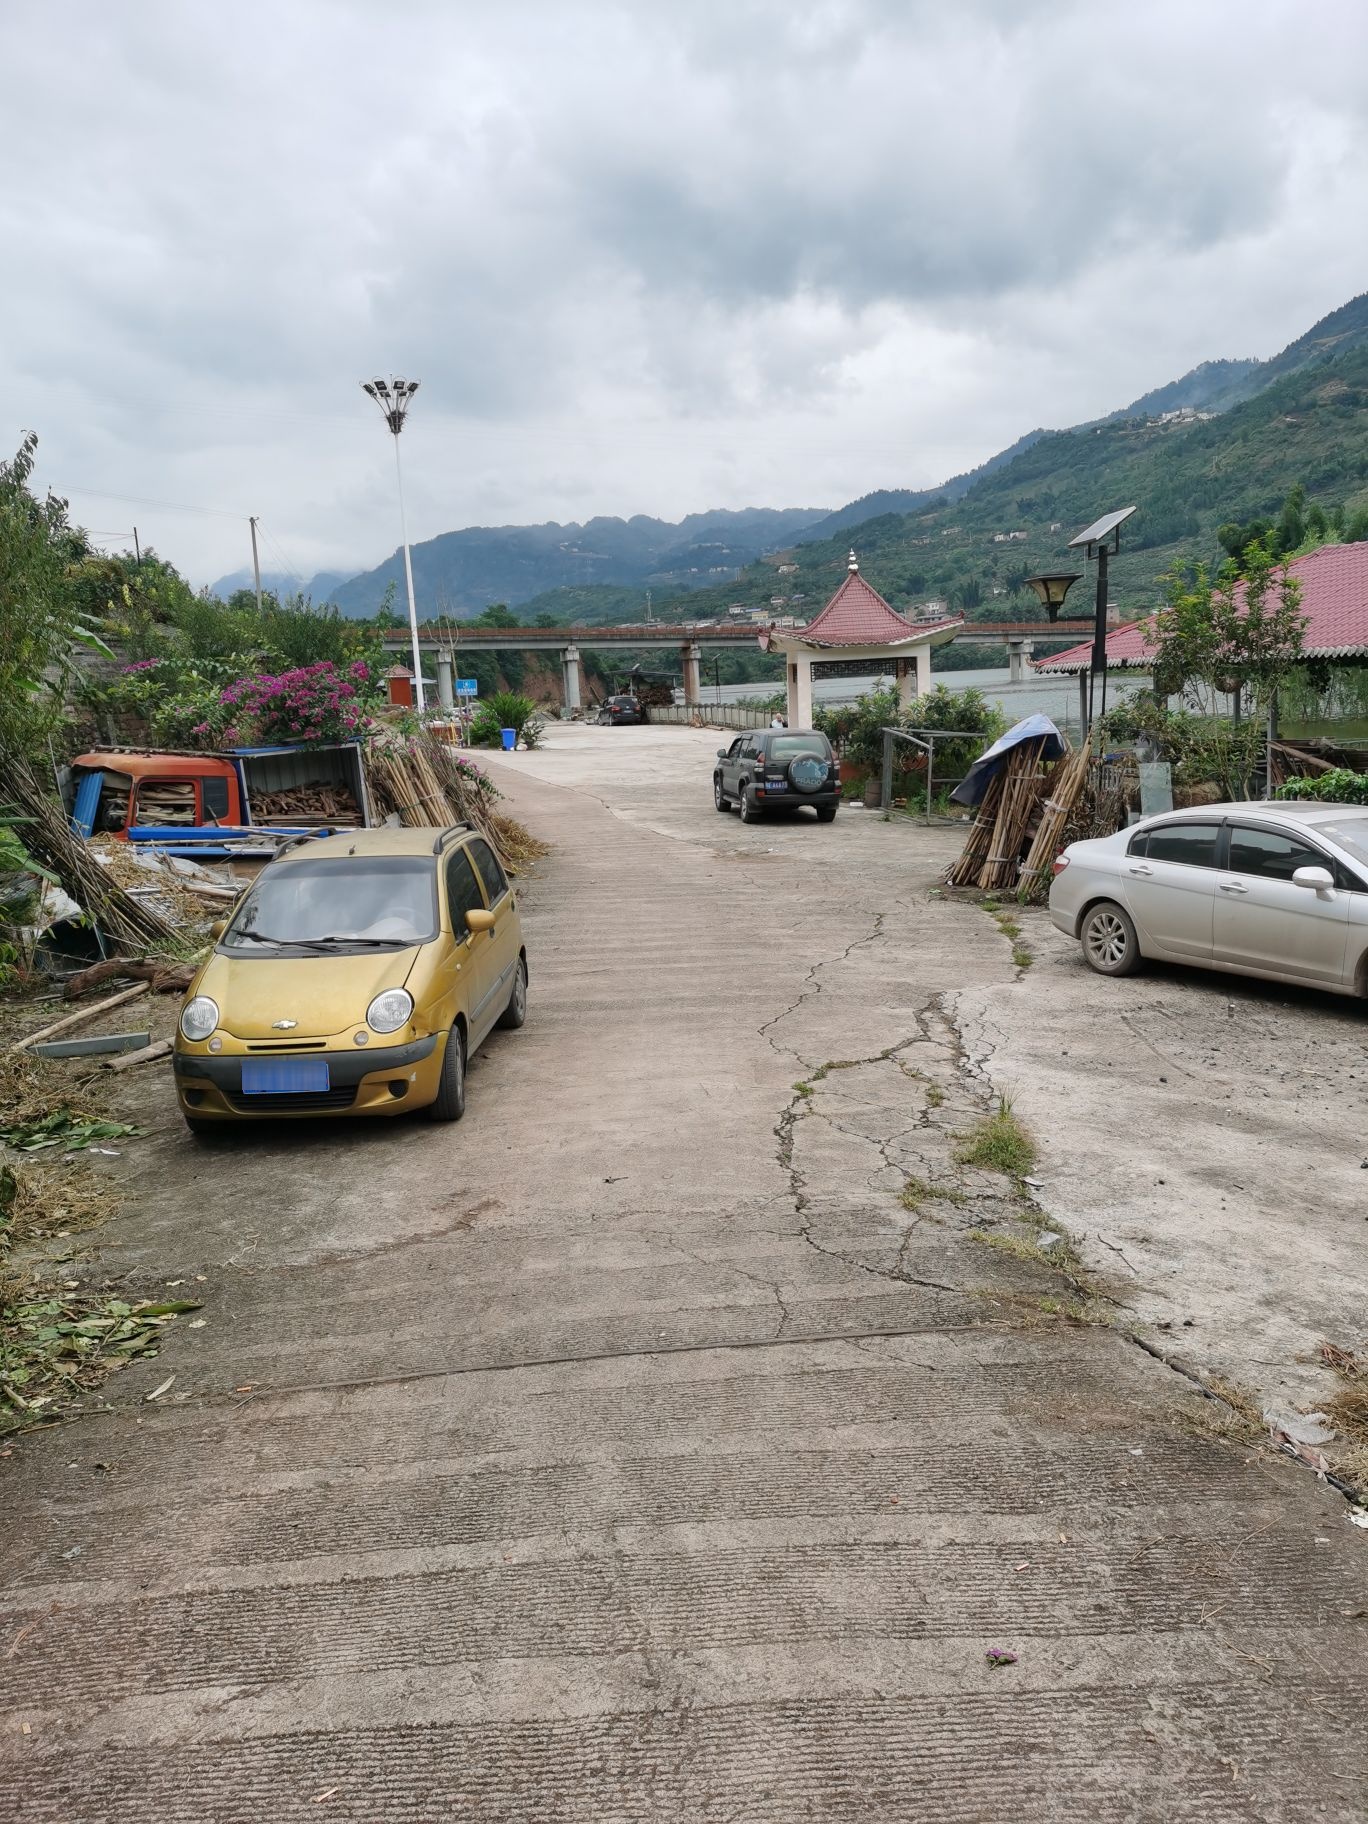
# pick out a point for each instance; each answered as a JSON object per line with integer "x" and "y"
{"x": 807, "y": 773}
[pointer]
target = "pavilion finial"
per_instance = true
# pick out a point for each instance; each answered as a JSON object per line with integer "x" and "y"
{"x": 854, "y": 564}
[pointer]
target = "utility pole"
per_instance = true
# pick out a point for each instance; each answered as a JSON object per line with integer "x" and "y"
{"x": 394, "y": 399}
{"x": 256, "y": 565}
{"x": 137, "y": 548}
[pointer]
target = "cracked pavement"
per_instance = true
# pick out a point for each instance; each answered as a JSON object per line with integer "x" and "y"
{"x": 667, "y": 1442}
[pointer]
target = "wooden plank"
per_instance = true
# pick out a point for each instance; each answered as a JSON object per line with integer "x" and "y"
{"x": 79, "y": 1019}
{"x": 146, "y": 1055}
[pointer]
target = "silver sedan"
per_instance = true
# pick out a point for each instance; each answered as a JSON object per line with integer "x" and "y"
{"x": 1276, "y": 890}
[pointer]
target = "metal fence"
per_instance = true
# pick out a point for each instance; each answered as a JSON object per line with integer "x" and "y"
{"x": 711, "y": 715}
{"x": 923, "y": 740}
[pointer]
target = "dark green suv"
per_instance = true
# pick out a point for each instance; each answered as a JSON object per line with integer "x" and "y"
{"x": 777, "y": 769}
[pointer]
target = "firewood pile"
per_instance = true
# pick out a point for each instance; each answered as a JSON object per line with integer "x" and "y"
{"x": 307, "y": 804}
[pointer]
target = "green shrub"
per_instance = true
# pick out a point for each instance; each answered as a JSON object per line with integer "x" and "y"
{"x": 1339, "y": 786}
{"x": 506, "y": 709}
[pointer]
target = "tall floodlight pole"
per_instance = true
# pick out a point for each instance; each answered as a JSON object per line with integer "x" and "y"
{"x": 394, "y": 397}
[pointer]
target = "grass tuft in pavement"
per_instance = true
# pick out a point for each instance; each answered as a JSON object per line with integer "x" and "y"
{"x": 999, "y": 1143}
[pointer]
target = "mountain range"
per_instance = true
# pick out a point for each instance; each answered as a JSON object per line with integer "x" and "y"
{"x": 1223, "y": 441}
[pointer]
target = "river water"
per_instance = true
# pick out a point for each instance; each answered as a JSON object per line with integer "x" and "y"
{"x": 1053, "y": 697}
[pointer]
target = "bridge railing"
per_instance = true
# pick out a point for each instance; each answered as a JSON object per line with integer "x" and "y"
{"x": 710, "y": 715}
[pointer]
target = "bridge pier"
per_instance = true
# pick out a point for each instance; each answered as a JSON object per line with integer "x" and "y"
{"x": 572, "y": 676}
{"x": 446, "y": 696}
{"x": 690, "y": 656}
{"x": 1018, "y": 651}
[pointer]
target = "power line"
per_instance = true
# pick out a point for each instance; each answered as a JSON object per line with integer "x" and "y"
{"x": 142, "y": 500}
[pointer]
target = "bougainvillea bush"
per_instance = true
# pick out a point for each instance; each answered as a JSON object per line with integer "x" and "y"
{"x": 311, "y": 703}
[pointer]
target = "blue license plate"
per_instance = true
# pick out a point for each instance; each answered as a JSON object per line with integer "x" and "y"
{"x": 284, "y": 1076}
{"x": 776, "y": 785}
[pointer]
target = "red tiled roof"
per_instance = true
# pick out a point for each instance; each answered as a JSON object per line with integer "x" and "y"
{"x": 1334, "y": 600}
{"x": 859, "y": 616}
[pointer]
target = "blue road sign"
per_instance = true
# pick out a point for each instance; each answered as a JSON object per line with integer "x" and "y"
{"x": 467, "y": 687}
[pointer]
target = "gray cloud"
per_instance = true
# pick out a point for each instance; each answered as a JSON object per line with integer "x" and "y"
{"x": 644, "y": 259}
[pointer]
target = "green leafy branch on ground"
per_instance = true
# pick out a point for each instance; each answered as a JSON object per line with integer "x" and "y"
{"x": 54, "y": 1348}
{"x": 64, "y": 1129}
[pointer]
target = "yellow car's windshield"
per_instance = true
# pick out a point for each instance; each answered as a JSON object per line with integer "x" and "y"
{"x": 367, "y": 900}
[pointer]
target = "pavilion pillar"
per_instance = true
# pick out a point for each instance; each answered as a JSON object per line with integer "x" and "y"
{"x": 907, "y": 674}
{"x": 572, "y": 678}
{"x": 800, "y": 691}
{"x": 690, "y": 656}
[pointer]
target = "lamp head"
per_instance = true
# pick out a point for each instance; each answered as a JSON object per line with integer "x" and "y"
{"x": 1051, "y": 589}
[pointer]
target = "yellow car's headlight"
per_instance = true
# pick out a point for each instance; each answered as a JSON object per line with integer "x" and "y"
{"x": 390, "y": 1010}
{"x": 199, "y": 1018}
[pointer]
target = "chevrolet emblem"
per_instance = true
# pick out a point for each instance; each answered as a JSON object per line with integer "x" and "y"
{"x": 283, "y": 1025}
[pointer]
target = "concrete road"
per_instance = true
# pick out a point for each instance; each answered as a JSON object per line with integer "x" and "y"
{"x": 676, "y": 1438}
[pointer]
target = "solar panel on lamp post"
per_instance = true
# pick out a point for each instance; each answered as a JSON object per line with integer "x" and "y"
{"x": 1102, "y": 539}
{"x": 394, "y": 397}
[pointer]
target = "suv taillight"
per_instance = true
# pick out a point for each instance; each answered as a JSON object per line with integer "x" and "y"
{"x": 1060, "y": 863}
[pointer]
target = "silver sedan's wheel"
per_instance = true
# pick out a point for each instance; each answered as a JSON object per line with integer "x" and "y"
{"x": 1109, "y": 942}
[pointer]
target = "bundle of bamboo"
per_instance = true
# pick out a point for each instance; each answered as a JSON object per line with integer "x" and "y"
{"x": 1022, "y": 784}
{"x": 1066, "y": 786}
{"x": 427, "y": 783}
{"x": 47, "y": 835}
{"x": 965, "y": 871}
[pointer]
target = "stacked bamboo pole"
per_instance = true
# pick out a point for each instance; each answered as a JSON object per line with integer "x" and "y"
{"x": 46, "y": 833}
{"x": 965, "y": 871}
{"x": 1022, "y": 783}
{"x": 1066, "y": 787}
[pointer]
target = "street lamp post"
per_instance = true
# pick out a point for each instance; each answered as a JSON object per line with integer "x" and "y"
{"x": 394, "y": 397}
{"x": 1102, "y": 540}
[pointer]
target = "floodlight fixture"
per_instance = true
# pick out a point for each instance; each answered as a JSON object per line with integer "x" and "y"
{"x": 394, "y": 397}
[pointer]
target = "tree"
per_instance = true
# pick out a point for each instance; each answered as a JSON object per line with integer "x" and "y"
{"x": 546, "y": 620}
{"x": 1236, "y": 633}
{"x": 497, "y": 614}
{"x": 39, "y": 624}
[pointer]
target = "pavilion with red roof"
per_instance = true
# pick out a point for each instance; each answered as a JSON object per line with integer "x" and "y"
{"x": 856, "y": 634}
{"x": 1334, "y": 602}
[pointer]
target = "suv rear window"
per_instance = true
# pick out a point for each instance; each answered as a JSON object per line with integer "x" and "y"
{"x": 788, "y": 747}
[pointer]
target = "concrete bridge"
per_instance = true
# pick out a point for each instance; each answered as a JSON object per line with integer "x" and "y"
{"x": 689, "y": 641}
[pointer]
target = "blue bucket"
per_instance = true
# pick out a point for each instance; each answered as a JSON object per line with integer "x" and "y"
{"x": 509, "y": 737}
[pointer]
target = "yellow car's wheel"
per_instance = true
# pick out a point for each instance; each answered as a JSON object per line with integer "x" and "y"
{"x": 516, "y": 1011}
{"x": 451, "y": 1092}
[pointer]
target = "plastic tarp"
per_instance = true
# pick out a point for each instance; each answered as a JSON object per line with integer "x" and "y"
{"x": 976, "y": 781}
{"x": 87, "y": 803}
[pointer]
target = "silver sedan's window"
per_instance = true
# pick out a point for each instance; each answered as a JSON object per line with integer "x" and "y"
{"x": 1270, "y": 856}
{"x": 1192, "y": 844}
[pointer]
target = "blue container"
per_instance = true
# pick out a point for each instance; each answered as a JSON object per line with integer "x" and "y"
{"x": 509, "y": 736}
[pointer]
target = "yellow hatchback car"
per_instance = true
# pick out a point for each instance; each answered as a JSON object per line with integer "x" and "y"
{"x": 354, "y": 977}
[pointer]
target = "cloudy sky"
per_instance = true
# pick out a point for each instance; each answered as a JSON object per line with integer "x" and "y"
{"x": 644, "y": 257}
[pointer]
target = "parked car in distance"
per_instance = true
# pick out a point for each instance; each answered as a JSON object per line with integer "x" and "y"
{"x": 618, "y": 712}
{"x": 356, "y": 976}
{"x": 1267, "y": 889}
{"x": 777, "y": 769}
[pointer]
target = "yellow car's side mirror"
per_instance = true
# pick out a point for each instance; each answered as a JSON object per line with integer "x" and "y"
{"x": 479, "y": 921}
{"x": 217, "y": 929}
